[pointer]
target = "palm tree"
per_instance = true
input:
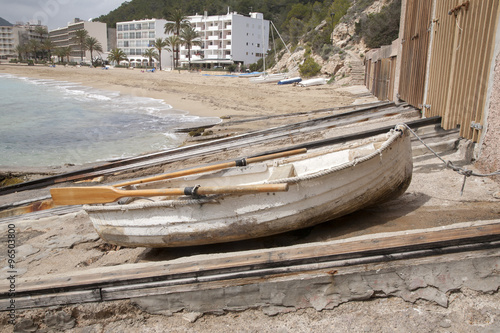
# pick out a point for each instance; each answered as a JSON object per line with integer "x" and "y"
{"x": 190, "y": 37}
{"x": 33, "y": 47}
{"x": 47, "y": 45}
{"x": 62, "y": 52}
{"x": 117, "y": 55}
{"x": 178, "y": 21}
{"x": 92, "y": 44}
{"x": 66, "y": 52}
{"x": 159, "y": 44}
{"x": 173, "y": 43}
{"x": 150, "y": 54}
{"x": 79, "y": 38}
{"x": 21, "y": 50}
{"x": 41, "y": 31}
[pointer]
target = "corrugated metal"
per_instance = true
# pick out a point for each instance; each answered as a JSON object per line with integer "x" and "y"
{"x": 415, "y": 45}
{"x": 462, "y": 52}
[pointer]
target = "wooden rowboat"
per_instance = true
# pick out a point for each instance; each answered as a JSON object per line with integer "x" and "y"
{"x": 322, "y": 184}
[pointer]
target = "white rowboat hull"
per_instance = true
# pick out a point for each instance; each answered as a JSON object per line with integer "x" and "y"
{"x": 322, "y": 187}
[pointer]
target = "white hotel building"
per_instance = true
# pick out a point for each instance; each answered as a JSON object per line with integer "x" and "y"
{"x": 135, "y": 37}
{"x": 226, "y": 39}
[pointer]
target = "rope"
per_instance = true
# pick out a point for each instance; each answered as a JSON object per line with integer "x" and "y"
{"x": 449, "y": 164}
{"x": 166, "y": 204}
{"x": 394, "y": 135}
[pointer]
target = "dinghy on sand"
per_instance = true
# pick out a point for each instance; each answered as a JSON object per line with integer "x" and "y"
{"x": 262, "y": 198}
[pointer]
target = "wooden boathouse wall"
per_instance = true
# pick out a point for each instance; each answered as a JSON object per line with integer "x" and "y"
{"x": 380, "y": 71}
{"x": 445, "y": 59}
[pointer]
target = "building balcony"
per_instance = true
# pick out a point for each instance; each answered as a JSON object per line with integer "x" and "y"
{"x": 214, "y": 28}
{"x": 213, "y": 37}
{"x": 213, "y": 47}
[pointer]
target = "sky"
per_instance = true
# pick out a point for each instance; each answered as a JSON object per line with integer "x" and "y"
{"x": 55, "y": 13}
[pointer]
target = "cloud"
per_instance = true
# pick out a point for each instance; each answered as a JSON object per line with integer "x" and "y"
{"x": 55, "y": 13}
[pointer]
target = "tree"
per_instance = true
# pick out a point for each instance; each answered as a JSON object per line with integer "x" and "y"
{"x": 41, "y": 31}
{"x": 309, "y": 68}
{"x": 159, "y": 44}
{"x": 33, "y": 47}
{"x": 117, "y": 55}
{"x": 190, "y": 37}
{"x": 381, "y": 28}
{"x": 92, "y": 44}
{"x": 178, "y": 21}
{"x": 47, "y": 46}
{"x": 79, "y": 38}
{"x": 21, "y": 49}
{"x": 173, "y": 43}
{"x": 150, "y": 54}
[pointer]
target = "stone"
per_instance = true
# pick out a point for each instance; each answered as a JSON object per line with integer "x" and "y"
{"x": 25, "y": 325}
{"x": 60, "y": 320}
{"x": 192, "y": 316}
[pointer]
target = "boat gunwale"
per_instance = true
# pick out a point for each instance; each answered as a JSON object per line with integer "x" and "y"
{"x": 395, "y": 133}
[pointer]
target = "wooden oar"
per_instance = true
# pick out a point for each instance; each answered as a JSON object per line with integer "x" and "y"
{"x": 214, "y": 167}
{"x": 105, "y": 194}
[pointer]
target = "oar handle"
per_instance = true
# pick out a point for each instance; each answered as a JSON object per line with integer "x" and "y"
{"x": 205, "y": 190}
{"x": 214, "y": 167}
{"x": 105, "y": 194}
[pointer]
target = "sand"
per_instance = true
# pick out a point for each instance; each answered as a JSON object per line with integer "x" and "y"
{"x": 196, "y": 92}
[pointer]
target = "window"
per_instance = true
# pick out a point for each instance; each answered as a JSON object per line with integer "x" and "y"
{"x": 125, "y": 27}
{"x": 125, "y": 43}
{"x": 120, "y": 36}
{"x": 151, "y": 34}
{"x": 151, "y": 25}
{"x": 144, "y": 34}
{"x": 138, "y": 26}
{"x": 119, "y": 28}
{"x": 132, "y": 51}
{"x": 137, "y": 35}
{"x": 125, "y": 35}
{"x": 145, "y": 26}
{"x": 132, "y": 26}
{"x": 138, "y": 52}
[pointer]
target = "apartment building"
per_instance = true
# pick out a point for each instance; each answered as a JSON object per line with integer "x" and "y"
{"x": 12, "y": 35}
{"x": 135, "y": 37}
{"x": 64, "y": 37}
{"x": 228, "y": 39}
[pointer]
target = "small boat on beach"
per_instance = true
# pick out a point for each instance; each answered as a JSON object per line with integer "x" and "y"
{"x": 290, "y": 81}
{"x": 249, "y": 75}
{"x": 269, "y": 78}
{"x": 293, "y": 191}
{"x": 312, "y": 82}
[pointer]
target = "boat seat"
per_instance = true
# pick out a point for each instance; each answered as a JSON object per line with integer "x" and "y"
{"x": 283, "y": 171}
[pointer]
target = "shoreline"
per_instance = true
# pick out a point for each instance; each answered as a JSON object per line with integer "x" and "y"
{"x": 199, "y": 95}
{"x": 192, "y": 93}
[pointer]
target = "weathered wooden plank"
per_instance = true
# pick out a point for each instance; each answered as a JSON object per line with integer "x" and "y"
{"x": 382, "y": 244}
{"x": 60, "y": 298}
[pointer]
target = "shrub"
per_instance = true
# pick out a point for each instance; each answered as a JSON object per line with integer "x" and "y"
{"x": 309, "y": 68}
{"x": 381, "y": 28}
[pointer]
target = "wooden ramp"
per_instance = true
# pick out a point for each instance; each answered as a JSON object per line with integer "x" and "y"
{"x": 155, "y": 278}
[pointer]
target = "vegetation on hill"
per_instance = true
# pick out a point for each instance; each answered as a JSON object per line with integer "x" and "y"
{"x": 306, "y": 22}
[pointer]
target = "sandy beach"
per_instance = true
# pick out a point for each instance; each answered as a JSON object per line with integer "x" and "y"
{"x": 200, "y": 94}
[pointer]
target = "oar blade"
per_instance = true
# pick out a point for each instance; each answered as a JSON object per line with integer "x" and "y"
{"x": 84, "y": 195}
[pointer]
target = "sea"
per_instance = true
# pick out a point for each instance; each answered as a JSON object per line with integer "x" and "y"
{"x": 50, "y": 123}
